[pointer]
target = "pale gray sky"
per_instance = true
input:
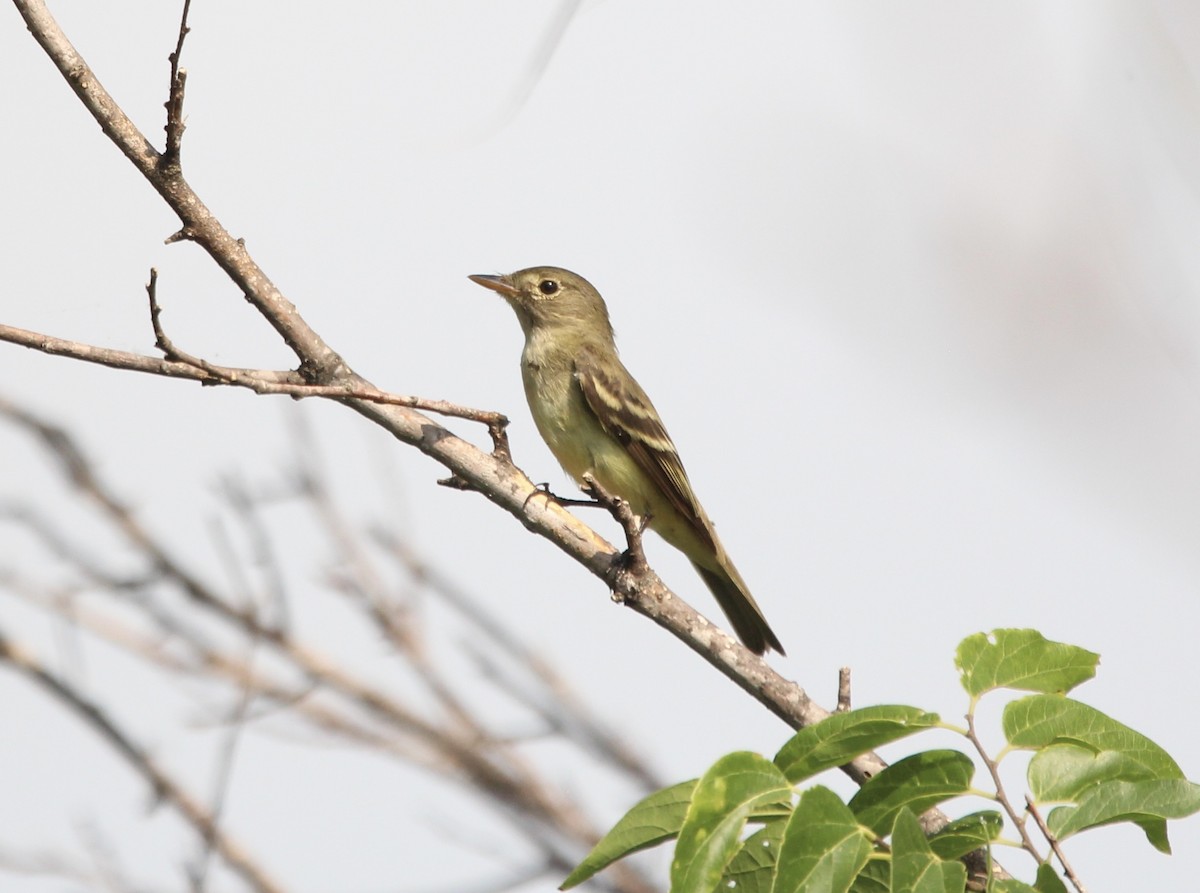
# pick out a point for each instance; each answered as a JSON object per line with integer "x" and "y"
{"x": 914, "y": 287}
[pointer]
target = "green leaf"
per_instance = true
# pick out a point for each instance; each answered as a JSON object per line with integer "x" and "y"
{"x": 875, "y": 878}
{"x": 919, "y": 782}
{"x": 915, "y": 869}
{"x": 753, "y": 868}
{"x": 1147, "y": 804}
{"x": 1038, "y": 721}
{"x": 724, "y": 798}
{"x": 841, "y": 737}
{"x": 653, "y": 820}
{"x": 823, "y": 846}
{"x": 1066, "y": 771}
{"x": 1023, "y": 659}
{"x": 966, "y": 834}
{"x": 1048, "y": 880}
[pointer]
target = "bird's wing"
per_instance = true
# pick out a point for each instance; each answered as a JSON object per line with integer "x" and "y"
{"x": 626, "y": 413}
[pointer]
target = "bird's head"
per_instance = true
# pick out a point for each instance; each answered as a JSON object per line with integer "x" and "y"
{"x": 552, "y": 298}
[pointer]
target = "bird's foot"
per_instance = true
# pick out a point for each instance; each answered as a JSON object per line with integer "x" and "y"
{"x": 633, "y": 559}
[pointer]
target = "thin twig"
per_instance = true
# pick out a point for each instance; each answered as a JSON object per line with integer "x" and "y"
{"x": 174, "y": 104}
{"x": 1032, "y": 809}
{"x": 1001, "y": 795}
{"x": 262, "y": 381}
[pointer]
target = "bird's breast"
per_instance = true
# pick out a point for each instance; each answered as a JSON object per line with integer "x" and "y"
{"x": 560, "y": 413}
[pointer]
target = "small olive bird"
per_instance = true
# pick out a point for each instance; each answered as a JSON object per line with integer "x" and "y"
{"x": 596, "y": 418}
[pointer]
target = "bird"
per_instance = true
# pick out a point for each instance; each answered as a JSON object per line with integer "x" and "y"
{"x": 598, "y": 421}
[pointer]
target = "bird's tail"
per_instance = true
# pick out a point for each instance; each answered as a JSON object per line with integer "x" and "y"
{"x": 740, "y": 607}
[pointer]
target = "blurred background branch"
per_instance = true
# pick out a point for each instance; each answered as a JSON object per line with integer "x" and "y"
{"x": 235, "y": 643}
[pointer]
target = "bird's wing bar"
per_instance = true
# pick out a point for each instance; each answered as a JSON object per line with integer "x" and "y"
{"x": 625, "y": 412}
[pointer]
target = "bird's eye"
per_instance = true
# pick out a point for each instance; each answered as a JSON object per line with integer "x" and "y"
{"x": 547, "y": 286}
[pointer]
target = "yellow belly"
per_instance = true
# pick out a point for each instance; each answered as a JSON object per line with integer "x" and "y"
{"x": 581, "y": 445}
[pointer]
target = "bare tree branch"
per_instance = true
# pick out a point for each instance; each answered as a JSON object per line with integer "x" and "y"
{"x": 262, "y": 381}
{"x": 320, "y": 362}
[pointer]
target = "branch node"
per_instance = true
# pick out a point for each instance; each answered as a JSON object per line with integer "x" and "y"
{"x": 320, "y": 374}
{"x": 497, "y": 426}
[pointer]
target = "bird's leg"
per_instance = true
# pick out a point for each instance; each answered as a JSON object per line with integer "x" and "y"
{"x": 633, "y": 558}
{"x": 543, "y": 489}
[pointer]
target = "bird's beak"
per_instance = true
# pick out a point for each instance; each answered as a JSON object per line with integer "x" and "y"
{"x": 501, "y": 284}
